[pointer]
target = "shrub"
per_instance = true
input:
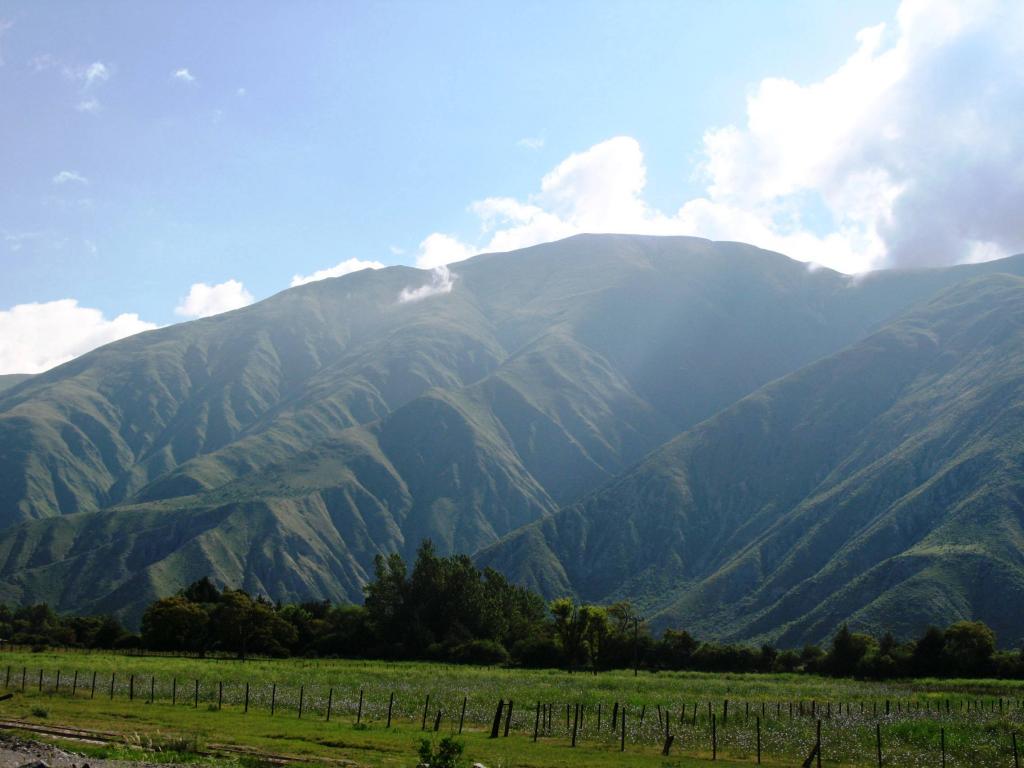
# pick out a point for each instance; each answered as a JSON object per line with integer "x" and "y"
{"x": 448, "y": 753}
{"x": 484, "y": 652}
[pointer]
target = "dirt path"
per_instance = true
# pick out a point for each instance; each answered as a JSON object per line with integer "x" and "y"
{"x": 16, "y": 752}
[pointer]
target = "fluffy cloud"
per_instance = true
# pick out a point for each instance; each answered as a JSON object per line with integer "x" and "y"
{"x": 441, "y": 282}
{"x": 204, "y": 300}
{"x": 435, "y": 253}
{"x": 36, "y": 337}
{"x": 339, "y": 269}
{"x": 909, "y": 153}
{"x": 88, "y": 105}
{"x": 66, "y": 177}
{"x": 183, "y": 75}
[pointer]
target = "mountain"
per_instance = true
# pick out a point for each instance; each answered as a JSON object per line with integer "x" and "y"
{"x": 880, "y": 486}
{"x": 281, "y": 446}
{"x": 8, "y": 380}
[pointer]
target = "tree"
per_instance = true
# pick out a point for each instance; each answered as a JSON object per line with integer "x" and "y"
{"x": 174, "y": 624}
{"x": 969, "y": 647}
{"x": 848, "y": 649}
{"x": 572, "y": 623}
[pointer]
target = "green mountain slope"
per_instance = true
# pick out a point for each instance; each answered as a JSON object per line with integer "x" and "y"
{"x": 9, "y": 380}
{"x": 287, "y": 443}
{"x": 881, "y": 485}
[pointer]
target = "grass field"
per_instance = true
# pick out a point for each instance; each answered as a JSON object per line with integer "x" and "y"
{"x": 154, "y": 699}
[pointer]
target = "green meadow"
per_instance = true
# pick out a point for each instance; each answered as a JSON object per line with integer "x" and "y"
{"x": 156, "y": 700}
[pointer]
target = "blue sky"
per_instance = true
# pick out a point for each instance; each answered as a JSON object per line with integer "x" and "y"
{"x": 160, "y": 161}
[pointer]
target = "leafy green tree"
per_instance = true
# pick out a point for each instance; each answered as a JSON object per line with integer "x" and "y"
{"x": 969, "y": 648}
{"x": 175, "y": 624}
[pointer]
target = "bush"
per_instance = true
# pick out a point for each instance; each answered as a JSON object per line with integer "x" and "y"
{"x": 483, "y": 652}
{"x": 538, "y": 653}
{"x": 39, "y": 712}
{"x": 448, "y": 753}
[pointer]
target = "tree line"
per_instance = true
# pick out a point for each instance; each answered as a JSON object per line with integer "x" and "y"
{"x": 447, "y": 609}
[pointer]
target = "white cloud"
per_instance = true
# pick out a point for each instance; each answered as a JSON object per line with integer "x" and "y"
{"x": 241, "y": 92}
{"x": 96, "y": 72}
{"x": 66, "y": 177}
{"x": 183, "y": 75}
{"x": 441, "y": 281}
{"x": 909, "y": 153}
{"x": 36, "y": 337}
{"x": 339, "y": 269}
{"x": 531, "y": 142}
{"x": 396, "y": 250}
{"x": 439, "y": 249}
{"x": 204, "y": 300}
{"x": 88, "y": 105}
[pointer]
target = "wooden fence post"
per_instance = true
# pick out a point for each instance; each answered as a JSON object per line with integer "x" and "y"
{"x": 330, "y": 703}
{"x": 508, "y": 718}
{"x": 92, "y": 692}
{"x": 496, "y": 722}
{"x": 246, "y": 710}
{"x": 462, "y": 716}
{"x": 622, "y": 742}
{"x": 302, "y": 691}
{"x": 359, "y": 711}
{"x": 575, "y": 723}
{"x": 426, "y": 704}
{"x": 74, "y": 682}
{"x": 112, "y": 674}
{"x": 759, "y": 741}
{"x": 714, "y": 737}
{"x": 196, "y": 702}
{"x": 273, "y": 698}
{"x": 391, "y": 703}
{"x": 536, "y": 721}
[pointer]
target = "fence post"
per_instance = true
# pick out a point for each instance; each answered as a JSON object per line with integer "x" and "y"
{"x": 273, "y": 698}
{"x": 40, "y": 680}
{"x": 74, "y": 683}
{"x": 196, "y": 703}
{"x": 112, "y": 675}
{"x": 575, "y": 723}
{"x": 220, "y": 694}
{"x": 330, "y": 701}
{"x": 508, "y": 718}
{"x": 56, "y": 688}
{"x": 536, "y": 721}
{"x": 152, "y": 689}
{"x": 426, "y": 704}
{"x": 359, "y": 711}
{"x": 714, "y": 736}
{"x": 496, "y": 722}
{"x": 92, "y": 692}
{"x": 174, "y": 691}
{"x": 391, "y": 703}
{"x": 302, "y": 691}
{"x": 759, "y": 741}
{"x": 942, "y": 745}
{"x": 246, "y": 699}
{"x": 818, "y": 742}
{"x": 462, "y": 716}
{"x": 622, "y": 742}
